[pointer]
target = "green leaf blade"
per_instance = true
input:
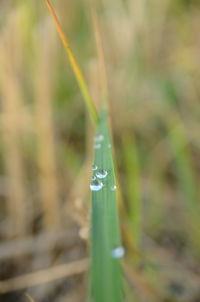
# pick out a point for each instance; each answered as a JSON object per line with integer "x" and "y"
{"x": 106, "y": 279}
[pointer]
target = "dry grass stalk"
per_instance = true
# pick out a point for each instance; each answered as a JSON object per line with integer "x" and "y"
{"x": 44, "y": 276}
{"x": 14, "y": 123}
{"x": 44, "y": 127}
{"x": 42, "y": 243}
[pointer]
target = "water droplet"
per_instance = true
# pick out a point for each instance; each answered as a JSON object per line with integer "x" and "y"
{"x": 96, "y": 185}
{"x": 118, "y": 252}
{"x": 109, "y": 145}
{"x": 94, "y": 167}
{"x": 93, "y": 177}
{"x": 113, "y": 188}
{"x": 102, "y": 173}
{"x": 98, "y": 138}
{"x": 97, "y": 146}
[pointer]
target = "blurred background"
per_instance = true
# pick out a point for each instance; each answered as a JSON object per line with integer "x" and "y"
{"x": 152, "y": 58}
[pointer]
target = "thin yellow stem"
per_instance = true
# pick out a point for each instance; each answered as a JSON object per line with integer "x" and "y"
{"x": 77, "y": 71}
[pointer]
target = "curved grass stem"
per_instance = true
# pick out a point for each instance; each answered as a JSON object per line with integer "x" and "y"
{"x": 77, "y": 71}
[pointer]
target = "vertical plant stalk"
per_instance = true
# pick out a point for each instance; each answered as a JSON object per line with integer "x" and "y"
{"x": 133, "y": 188}
{"x": 49, "y": 191}
{"x": 106, "y": 250}
{"x": 77, "y": 71}
{"x": 13, "y": 125}
{"x": 187, "y": 180}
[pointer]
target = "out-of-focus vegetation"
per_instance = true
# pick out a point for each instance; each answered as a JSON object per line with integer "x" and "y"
{"x": 152, "y": 57}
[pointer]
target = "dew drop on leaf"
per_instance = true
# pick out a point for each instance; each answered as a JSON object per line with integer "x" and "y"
{"x": 113, "y": 188}
{"x": 96, "y": 185}
{"x": 97, "y": 146}
{"x": 98, "y": 138}
{"x": 94, "y": 167}
{"x": 102, "y": 173}
{"x": 118, "y": 252}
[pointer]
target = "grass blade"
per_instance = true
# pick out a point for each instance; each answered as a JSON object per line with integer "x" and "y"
{"x": 132, "y": 168}
{"x": 106, "y": 279}
{"x": 79, "y": 76}
{"x": 187, "y": 181}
